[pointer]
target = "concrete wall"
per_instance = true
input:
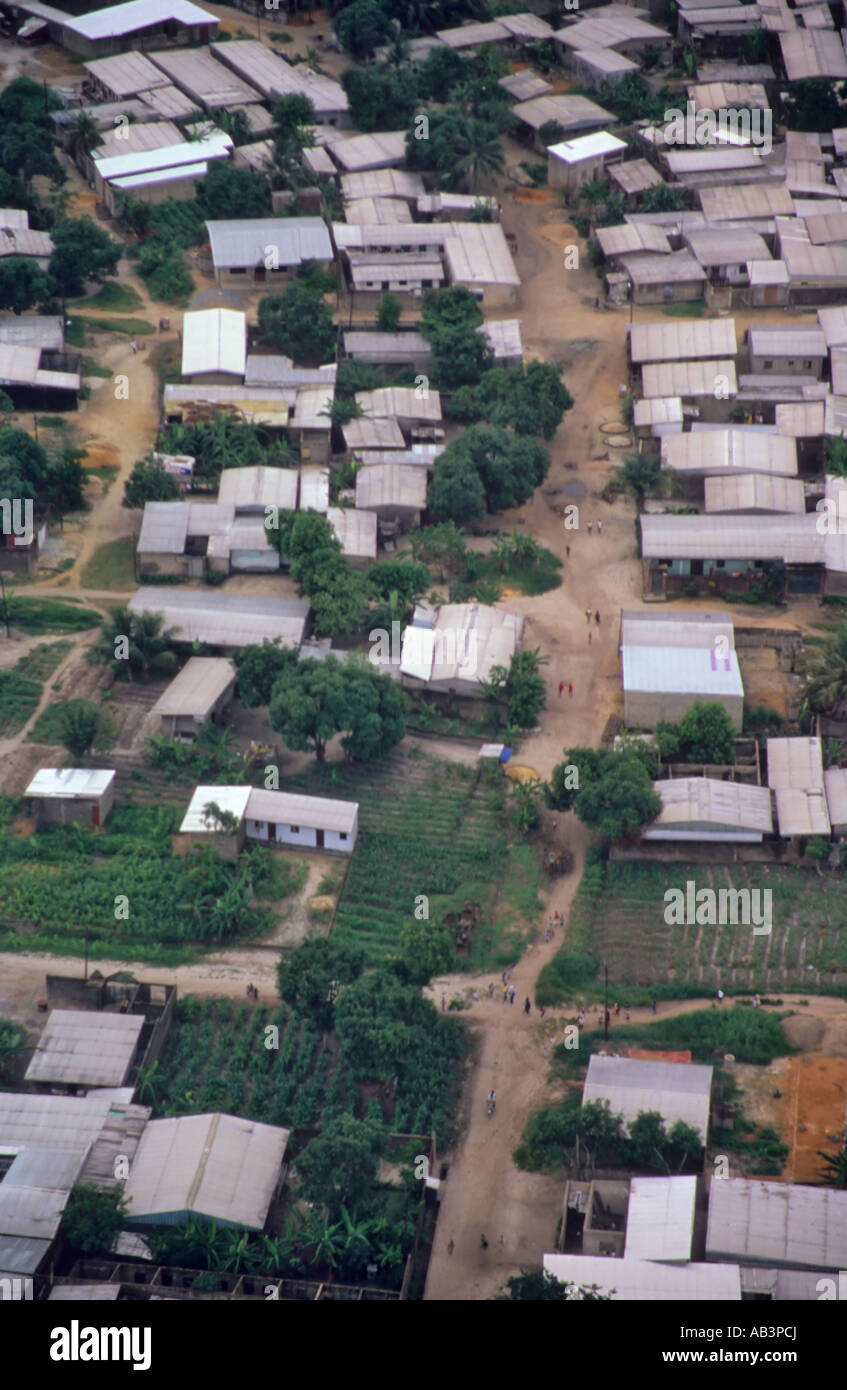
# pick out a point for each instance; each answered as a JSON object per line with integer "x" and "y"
{"x": 644, "y": 709}
{"x": 682, "y": 292}
{"x": 186, "y": 566}
{"x": 305, "y": 837}
{"x": 73, "y": 811}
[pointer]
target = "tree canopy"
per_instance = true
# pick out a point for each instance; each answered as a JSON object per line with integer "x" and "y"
{"x": 450, "y": 321}
{"x": 338, "y": 1167}
{"x": 258, "y": 668}
{"x": 362, "y": 26}
{"x": 704, "y": 734}
{"x": 315, "y": 700}
{"x": 299, "y": 323}
{"x": 486, "y": 468}
{"x": 149, "y": 482}
{"x": 93, "y": 1219}
{"x": 27, "y": 473}
{"x": 530, "y": 400}
{"x": 611, "y": 792}
{"x": 82, "y": 251}
{"x": 22, "y": 284}
{"x": 228, "y": 192}
{"x": 311, "y": 977}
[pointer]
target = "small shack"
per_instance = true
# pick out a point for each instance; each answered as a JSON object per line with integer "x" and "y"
{"x": 677, "y": 1090}
{"x": 72, "y": 796}
{"x": 310, "y": 822}
{"x": 199, "y": 695}
{"x": 81, "y": 1051}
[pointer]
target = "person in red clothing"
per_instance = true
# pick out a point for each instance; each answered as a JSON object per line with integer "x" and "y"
{"x": 561, "y": 687}
{"x": 570, "y": 688}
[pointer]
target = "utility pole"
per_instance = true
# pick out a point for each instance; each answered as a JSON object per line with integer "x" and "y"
{"x": 606, "y": 1005}
{"x": 5, "y": 604}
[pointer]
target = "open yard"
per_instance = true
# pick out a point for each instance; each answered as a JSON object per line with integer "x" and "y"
{"x": 430, "y": 829}
{"x": 618, "y": 919}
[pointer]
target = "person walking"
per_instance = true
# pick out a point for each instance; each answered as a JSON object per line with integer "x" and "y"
{"x": 561, "y": 688}
{"x": 756, "y": 1001}
{"x": 599, "y": 528}
{"x": 527, "y": 1007}
{"x": 483, "y": 1243}
{"x": 451, "y": 1247}
{"x": 580, "y": 1021}
{"x": 627, "y": 1015}
{"x": 590, "y": 524}
{"x": 443, "y": 1002}
{"x": 134, "y": 347}
{"x": 617, "y": 1011}
{"x": 512, "y": 993}
{"x": 653, "y": 1007}
{"x": 249, "y": 992}
{"x": 597, "y": 617}
{"x": 570, "y": 687}
{"x": 720, "y": 996}
{"x": 491, "y": 990}
{"x": 589, "y": 637}
{"x": 505, "y": 992}
{"x": 567, "y": 551}
{"x": 588, "y": 615}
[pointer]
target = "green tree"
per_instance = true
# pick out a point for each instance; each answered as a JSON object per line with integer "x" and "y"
{"x": 22, "y": 283}
{"x": 450, "y": 321}
{"x": 441, "y": 73}
{"x": 551, "y": 133}
{"x": 619, "y": 799}
{"x": 525, "y": 813}
{"x": 509, "y": 468}
{"x": 380, "y": 98}
{"x": 311, "y": 977}
{"x": 13, "y": 1041}
{"x": 148, "y": 482}
{"x": 361, "y": 27}
{"x": 834, "y": 1170}
{"x": 426, "y": 950}
{"x": 638, "y": 475}
{"x": 835, "y": 455}
{"x": 704, "y": 734}
{"x": 666, "y": 197}
{"x": 442, "y": 545}
{"x": 228, "y": 192}
{"x": 539, "y": 1286}
{"x": 455, "y": 493}
{"x": 257, "y": 669}
{"x": 24, "y": 466}
{"x": 389, "y": 313}
{"x": 530, "y": 400}
{"x": 826, "y": 687}
{"x": 235, "y": 123}
{"x": 813, "y": 104}
{"x": 137, "y": 644}
{"x": 407, "y": 579}
{"x": 316, "y": 700}
{"x": 83, "y": 136}
{"x": 338, "y": 1167}
{"x": 79, "y": 728}
{"x": 478, "y": 155}
{"x": 93, "y": 1219}
{"x": 299, "y": 324}
{"x": 82, "y": 252}
{"x": 524, "y": 689}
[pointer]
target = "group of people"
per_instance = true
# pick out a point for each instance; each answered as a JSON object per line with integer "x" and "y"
{"x": 252, "y": 992}
{"x": 596, "y": 616}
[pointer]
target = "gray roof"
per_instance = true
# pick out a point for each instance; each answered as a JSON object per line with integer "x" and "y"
{"x": 385, "y": 347}
{"x": 363, "y": 433}
{"x": 62, "y": 1122}
{"x": 811, "y": 53}
{"x": 378, "y": 150}
{"x": 44, "y": 331}
{"x": 275, "y": 77}
{"x": 246, "y": 242}
{"x": 314, "y": 812}
{"x": 197, "y": 73}
{"x": 225, "y": 620}
{"x": 725, "y": 451}
{"x": 754, "y": 492}
{"x": 748, "y": 200}
{"x": 835, "y": 782}
{"x": 126, "y": 74}
{"x": 678, "y": 1090}
{"x": 795, "y": 763}
{"x": 793, "y": 539}
{"x": 356, "y": 529}
{"x": 22, "y": 1254}
{"x": 649, "y": 1281}
{"x": 258, "y": 487}
{"x": 712, "y": 246}
{"x": 85, "y": 1049}
{"x": 200, "y": 683}
{"x": 574, "y": 113}
{"x": 773, "y": 340}
{"x": 83, "y": 1293}
{"x": 712, "y": 806}
{"x": 391, "y": 485}
{"x": 217, "y": 1166}
{"x": 674, "y": 340}
{"x": 651, "y": 269}
{"x": 689, "y": 670}
{"x": 688, "y": 378}
{"x": 660, "y": 1218}
{"x": 775, "y": 1223}
{"x": 164, "y": 528}
{"x": 635, "y": 176}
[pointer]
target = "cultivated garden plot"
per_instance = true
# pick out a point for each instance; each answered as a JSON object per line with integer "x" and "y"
{"x": 427, "y": 828}
{"x": 618, "y": 917}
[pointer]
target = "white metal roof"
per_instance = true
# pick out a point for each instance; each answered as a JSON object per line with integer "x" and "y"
{"x": 15, "y": 219}
{"x": 62, "y": 1122}
{"x": 224, "y": 620}
{"x": 571, "y": 112}
{"x": 158, "y": 177}
{"x": 793, "y": 539}
{"x": 314, "y": 490}
{"x": 688, "y": 378}
{"x": 126, "y": 74}
{"x": 603, "y": 60}
{"x": 377, "y": 150}
{"x": 85, "y": 1049}
{"x": 750, "y": 200}
{"x": 716, "y": 158}
{"x": 660, "y": 1218}
{"x": 648, "y": 1281}
{"x": 258, "y": 487}
{"x": 721, "y": 452}
{"x": 378, "y": 212}
{"x": 462, "y": 643}
{"x": 116, "y": 20}
{"x": 356, "y": 529}
{"x": 632, "y": 237}
{"x": 391, "y": 485}
{"x": 197, "y": 73}
{"x": 68, "y": 783}
{"x": 682, "y": 670}
{"x": 678, "y": 1090}
{"x": 755, "y": 492}
{"x": 214, "y": 340}
{"x": 658, "y": 410}
{"x": 795, "y": 763}
{"x": 812, "y": 53}
{"x": 217, "y": 145}
{"x": 200, "y": 683}
{"x": 477, "y": 253}
{"x": 835, "y": 782}
{"x": 777, "y": 1223}
{"x": 592, "y": 146}
{"x": 231, "y": 799}
{"x": 380, "y": 183}
{"x": 401, "y": 403}
{"x": 314, "y": 812}
{"x": 248, "y": 241}
{"x": 217, "y": 1166}
{"x": 275, "y": 77}
{"x": 711, "y": 805}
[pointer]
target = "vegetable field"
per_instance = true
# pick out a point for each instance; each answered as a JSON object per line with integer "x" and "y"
{"x": 618, "y": 917}
{"x": 20, "y": 688}
{"x": 215, "y": 1059}
{"x": 126, "y": 888}
{"x": 426, "y": 827}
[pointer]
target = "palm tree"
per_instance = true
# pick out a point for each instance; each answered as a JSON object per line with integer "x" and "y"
{"x": 834, "y": 1171}
{"x": 235, "y": 1255}
{"x": 479, "y": 154}
{"x": 638, "y": 475}
{"x": 356, "y": 1247}
{"x": 79, "y": 728}
{"x": 827, "y": 685}
{"x": 145, "y": 1084}
{"x": 137, "y": 643}
{"x": 83, "y": 136}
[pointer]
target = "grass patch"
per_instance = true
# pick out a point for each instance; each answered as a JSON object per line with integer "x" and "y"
{"x": 537, "y": 578}
{"x": 166, "y": 361}
{"x": 49, "y": 724}
{"x": 752, "y": 1035}
{"x": 692, "y": 309}
{"x": 18, "y": 701}
{"x": 120, "y": 299}
{"x": 42, "y": 661}
{"x": 53, "y": 422}
{"x": 618, "y": 917}
{"x": 92, "y": 368}
{"x": 132, "y": 328}
{"x": 75, "y": 332}
{"x": 37, "y": 616}
{"x": 112, "y": 566}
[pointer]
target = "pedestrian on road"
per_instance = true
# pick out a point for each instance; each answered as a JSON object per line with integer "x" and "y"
{"x": 134, "y": 347}
{"x": 756, "y": 1001}
{"x": 547, "y": 934}
{"x": 443, "y": 1002}
{"x": 608, "y": 1017}
{"x": 527, "y": 1007}
{"x": 512, "y": 993}
{"x": 505, "y": 992}
{"x": 505, "y": 976}
{"x": 653, "y": 1006}
{"x": 599, "y": 528}
{"x": 483, "y": 1242}
{"x": 249, "y": 991}
{"x": 597, "y": 617}
{"x": 627, "y": 1015}
{"x": 567, "y": 551}
{"x": 580, "y": 1022}
{"x": 590, "y": 524}
{"x": 541, "y": 1010}
{"x": 491, "y": 990}
{"x": 720, "y": 996}
{"x": 617, "y": 1011}
{"x": 561, "y": 688}
{"x": 588, "y": 615}
{"x": 589, "y": 637}
{"x": 570, "y": 688}
{"x": 451, "y": 1247}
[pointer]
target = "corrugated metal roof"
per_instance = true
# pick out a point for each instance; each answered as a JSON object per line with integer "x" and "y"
{"x": 26, "y": 243}
{"x": 22, "y": 1254}
{"x": 248, "y": 241}
{"x": 213, "y": 146}
{"x": 469, "y": 35}
{"x": 812, "y": 53}
{"x": 48, "y": 1168}
{"x": 504, "y": 337}
{"x": 391, "y": 485}
{"x": 715, "y": 159}
{"x": 396, "y": 271}
{"x": 216, "y": 1165}
{"x": 755, "y": 492}
{"x": 401, "y": 403}
{"x": 600, "y": 142}
{"x": 609, "y": 30}
{"x": 712, "y": 805}
{"x": 651, "y": 628}
{"x": 231, "y": 799}
{"x": 356, "y": 529}
{"x": 85, "y": 1049}
{"x": 777, "y": 1223}
{"x": 719, "y": 450}
{"x": 160, "y": 177}
{"x": 634, "y": 175}
{"x": 197, "y": 688}
{"x": 83, "y": 1293}
{"x": 679, "y": 267}
{"x": 681, "y": 670}
{"x": 385, "y": 347}
{"x": 381, "y": 183}
{"x": 801, "y": 813}
{"x": 275, "y": 77}
{"x": 835, "y": 783}
{"x": 658, "y": 410}
{"x": 225, "y": 620}
{"x": 462, "y": 643}
{"x": 681, "y": 339}
{"x": 793, "y": 539}
{"x": 196, "y": 72}
{"x": 526, "y": 26}
{"x": 126, "y": 74}
{"x": 772, "y": 340}
{"x": 750, "y": 200}
{"x": 523, "y": 86}
{"x": 44, "y": 331}
{"x": 679, "y": 1091}
{"x": 312, "y": 408}
{"x": 688, "y": 378}
{"x": 214, "y": 340}
{"x": 571, "y": 112}
{"x": 795, "y": 763}
{"x": 14, "y": 219}
{"x": 62, "y": 1122}
{"x": 373, "y": 434}
{"x": 477, "y": 253}
{"x": 833, "y": 322}
{"x": 815, "y": 264}
{"x": 660, "y": 1218}
{"x": 378, "y": 150}
{"x": 648, "y": 1281}
{"x": 603, "y": 60}
{"x": 67, "y": 783}
{"x": 258, "y": 487}
{"x": 314, "y": 489}
{"x": 141, "y": 135}
{"x": 801, "y": 420}
{"x": 116, "y": 20}
{"x": 712, "y": 246}
{"x": 164, "y": 528}
{"x": 168, "y": 101}
{"x": 630, "y": 238}
{"x": 314, "y": 812}
{"x": 717, "y": 96}
{"x": 378, "y": 212}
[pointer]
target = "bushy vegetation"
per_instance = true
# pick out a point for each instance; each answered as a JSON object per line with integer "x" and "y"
{"x": 551, "y": 1136}
{"x": 224, "y": 442}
